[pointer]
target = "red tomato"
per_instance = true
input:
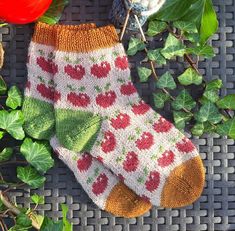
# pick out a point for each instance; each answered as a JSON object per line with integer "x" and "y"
{"x": 22, "y": 11}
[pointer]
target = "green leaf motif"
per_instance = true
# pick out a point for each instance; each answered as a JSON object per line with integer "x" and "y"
{"x": 215, "y": 84}
{"x": 67, "y": 225}
{"x": 156, "y": 56}
{"x": 134, "y": 46}
{"x": 30, "y": 176}
{"x": 37, "y": 154}
{"x": 190, "y": 76}
{"x": 3, "y": 86}
{"x": 227, "y": 128}
{"x": 173, "y": 47}
{"x": 228, "y": 102}
{"x": 23, "y": 220}
{"x": 144, "y": 74}
{"x": 160, "y": 99}
{"x": 49, "y": 225}
{"x": 184, "y": 100}
{"x": 198, "y": 129}
{"x": 155, "y": 27}
{"x": 166, "y": 81}
{"x": 36, "y": 199}
{"x": 208, "y": 112}
{"x": 186, "y": 26}
{"x": 180, "y": 119}
{"x": 202, "y": 50}
{"x": 14, "y": 98}
{"x": 12, "y": 123}
{"x": 6, "y": 154}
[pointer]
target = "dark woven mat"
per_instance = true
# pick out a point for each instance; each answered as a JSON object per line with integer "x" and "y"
{"x": 215, "y": 210}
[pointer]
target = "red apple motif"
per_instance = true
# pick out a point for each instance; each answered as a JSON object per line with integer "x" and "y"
{"x": 162, "y": 125}
{"x": 128, "y": 89}
{"x": 46, "y": 92}
{"x": 140, "y": 108}
{"x": 121, "y": 121}
{"x": 145, "y": 141}
{"x": 57, "y": 96}
{"x": 78, "y": 100}
{"x": 109, "y": 142}
{"x": 185, "y": 145}
{"x": 106, "y": 99}
{"x": 47, "y": 65}
{"x": 153, "y": 181}
{"x": 121, "y": 63}
{"x": 131, "y": 163}
{"x": 121, "y": 178}
{"x": 101, "y": 70}
{"x": 100, "y": 185}
{"x": 84, "y": 163}
{"x": 77, "y": 72}
{"x": 100, "y": 159}
{"x": 166, "y": 159}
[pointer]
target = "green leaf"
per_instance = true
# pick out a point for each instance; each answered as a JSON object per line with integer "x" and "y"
{"x": 198, "y": 129}
{"x": 183, "y": 100}
{"x": 3, "y": 86}
{"x": 23, "y": 220}
{"x": 211, "y": 96}
{"x": 36, "y": 199}
{"x": 228, "y": 102}
{"x": 14, "y": 98}
{"x": 156, "y": 56}
{"x": 160, "y": 99}
{"x": 67, "y": 225}
{"x": 53, "y": 14}
{"x": 215, "y": 84}
{"x": 155, "y": 27}
{"x": 134, "y": 46}
{"x": 180, "y": 119}
{"x": 12, "y": 122}
{"x": 30, "y": 176}
{"x": 18, "y": 228}
{"x": 208, "y": 112}
{"x": 1, "y": 134}
{"x": 37, "y": 154}
{"x": 186, "y": 26}
{"x": 227, "y": 128}
{"x": 166, "y": 81}
{"x": 190, "y": 76}
{"x": 192, "y": 37}
{"x": 144, "y": 73}
{"x": 6, "y": 154}
{"x": 202, "y": 50}
{"x": 2, "y": 206}
{"x": 49, "y": 225}
{"x": 208, "y": 127}
{"x": 173, "y": 47}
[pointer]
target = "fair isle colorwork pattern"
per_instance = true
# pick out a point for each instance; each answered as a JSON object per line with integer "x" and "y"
{"x": 103, "y": 187}
{"x": 146, "y": 151}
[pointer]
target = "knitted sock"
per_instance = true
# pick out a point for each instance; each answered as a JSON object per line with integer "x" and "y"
{"x": 100, "y": 111}
{"x": 103, "y": 187}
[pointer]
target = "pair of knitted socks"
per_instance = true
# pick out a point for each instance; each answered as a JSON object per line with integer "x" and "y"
{"x": 79, "y": 95}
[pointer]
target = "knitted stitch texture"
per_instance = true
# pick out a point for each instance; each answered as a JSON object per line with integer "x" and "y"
{"x": 150, "y": 155}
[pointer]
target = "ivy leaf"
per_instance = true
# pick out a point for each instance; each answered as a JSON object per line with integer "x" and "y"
{"x": 144, "y": 74}
{"x": 160, "y": 99}
{"x": 36, "y": 199}
{"x": 227, "y": 128}
{"x": 192, "y": 37}
{"x": 202, "y": 50}
{"x": 12, "y": 122}
{"x": 155, "y": 27}
{"x": 37, "y": 154}
{"x": 49, "y": 225}
{"x": 156, "y": 56}
{"x": 6, "y": 154}
{"x": 215, "y": 84}
{"x": 3, "y": 86}
{"x": 53, "y": 14}
{"x": 186, "y": 26}
{"x": 23, "y": 220}
{"x": 228, "y": 102}
{"x": 166, "y": 81}
{"x": 198, "y": 129}
{"x": 67, "y": 226}
{"x": 211, "y": 95}
{"x": 180, "y": 119}
{"x": 183, "y": 100}
{"x": 134, "y": 46}
{"x": 173, "y": 47}
{"x": 208, "y": 112}
{"x": 30, "y": 176}
{"x": 14, "y": 98}
{"x": 190, "y": 76}
{"x": 208, "y": 127}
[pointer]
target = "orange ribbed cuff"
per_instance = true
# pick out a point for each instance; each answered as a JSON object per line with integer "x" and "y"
{"x": 46, "y": 34}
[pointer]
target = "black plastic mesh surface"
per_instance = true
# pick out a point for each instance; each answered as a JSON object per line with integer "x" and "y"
{"x": 215, "y": 210}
